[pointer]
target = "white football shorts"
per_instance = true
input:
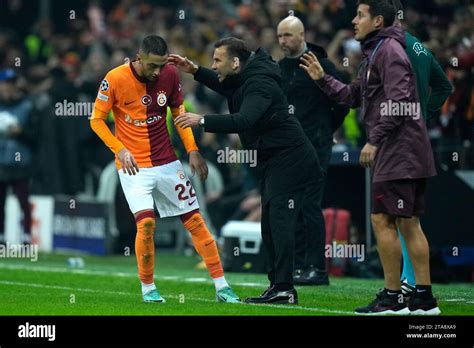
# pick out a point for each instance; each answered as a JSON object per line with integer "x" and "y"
{"x": 167, "y": 185}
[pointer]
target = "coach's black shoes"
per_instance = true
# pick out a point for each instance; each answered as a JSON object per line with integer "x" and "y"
{"x": 312, "y": 276}
{"x": 274, "y": 296}
{"x": 422, "y": 302}
{"x": 386, "y": 303}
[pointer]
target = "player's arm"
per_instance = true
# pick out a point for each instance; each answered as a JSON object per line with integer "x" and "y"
{"x": 336, "y": 90}
{"x": 102, "y": 107}
{"x": 441, "y": 88}
{"x": 196, "y": 161}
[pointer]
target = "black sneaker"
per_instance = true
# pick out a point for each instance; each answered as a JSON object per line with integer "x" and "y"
{"x": 314, "y": 276}
{"x": 384, "y": 304}
{"x": 423, "y": 305}
{"x": 273, "y": 296}
{"x": 407, "y": 289}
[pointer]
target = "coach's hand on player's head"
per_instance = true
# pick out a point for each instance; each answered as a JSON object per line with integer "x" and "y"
{"x": 129, "y": 165}
{"x": 183, "y": 63}
{"x": 367, "y": 155}
{"x": 310, "y": 64}
{"x": 198, "y": 164}
{"x": 188, "y": 119}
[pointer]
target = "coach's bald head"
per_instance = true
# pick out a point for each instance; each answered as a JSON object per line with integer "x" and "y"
{"x": 291, "y": 36}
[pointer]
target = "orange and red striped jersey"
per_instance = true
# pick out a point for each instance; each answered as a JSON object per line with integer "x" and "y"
{"x": 139, "y": 107}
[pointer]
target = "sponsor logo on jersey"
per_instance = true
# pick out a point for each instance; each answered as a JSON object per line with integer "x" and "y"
{"x": 161, "y": 98}
{"x": 142, "y": 122}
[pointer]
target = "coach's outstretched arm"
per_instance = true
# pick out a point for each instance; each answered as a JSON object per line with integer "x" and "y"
{"x": 202, "y": 75}
{"x": 336, "y": 90}
{"x": 255, "y": 103}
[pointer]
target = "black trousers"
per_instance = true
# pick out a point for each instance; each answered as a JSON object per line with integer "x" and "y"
{"x": 310, "y": 238}
{"x": 21, "y": 191}
{"x": 279, "y": 217}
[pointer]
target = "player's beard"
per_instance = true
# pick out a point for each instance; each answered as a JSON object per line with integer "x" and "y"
{"x": 151, "y": 78}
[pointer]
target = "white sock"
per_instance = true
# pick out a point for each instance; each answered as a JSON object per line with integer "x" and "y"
{"x": 147, "y": 287}
{"x": 220, "y": 283}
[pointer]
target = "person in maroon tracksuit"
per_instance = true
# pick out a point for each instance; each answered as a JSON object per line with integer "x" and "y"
{"x": 398, "y": 150}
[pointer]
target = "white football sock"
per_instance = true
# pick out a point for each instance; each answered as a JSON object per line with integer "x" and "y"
{"x": 220, "y": 283}
{"x": 147, "y": 287}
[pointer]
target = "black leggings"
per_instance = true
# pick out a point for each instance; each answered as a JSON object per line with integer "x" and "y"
{"x": 21, "y": 191}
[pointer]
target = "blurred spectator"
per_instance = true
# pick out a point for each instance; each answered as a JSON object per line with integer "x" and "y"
{"x": 15, "y": 148}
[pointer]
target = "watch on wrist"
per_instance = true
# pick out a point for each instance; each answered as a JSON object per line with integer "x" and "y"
{"x": 201, "y": 122}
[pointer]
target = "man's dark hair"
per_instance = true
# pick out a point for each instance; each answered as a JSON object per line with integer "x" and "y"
{"x": 235, "y": 48}
{"x": 382, "y": 8}
{"x": 154, "y": 44}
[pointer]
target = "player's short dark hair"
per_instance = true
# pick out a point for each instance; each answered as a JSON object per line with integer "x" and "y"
{"x": 235, "y": 48}
{"x": 154, "y": 44}
{"x": 382, "y": 8}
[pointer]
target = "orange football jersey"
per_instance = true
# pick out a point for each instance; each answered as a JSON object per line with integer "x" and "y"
{"x": 139, "y": 107}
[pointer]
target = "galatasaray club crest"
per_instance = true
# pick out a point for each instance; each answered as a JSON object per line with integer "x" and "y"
{"x": 161, "y": 98}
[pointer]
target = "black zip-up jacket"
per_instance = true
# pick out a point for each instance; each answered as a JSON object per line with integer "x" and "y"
{"x": 259, "y": 114}
{"x": 318, "y": 114}
{"x": 257, "y": 105}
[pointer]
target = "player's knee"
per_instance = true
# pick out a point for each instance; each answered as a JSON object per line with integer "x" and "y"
{"x": 382, "y": 222}
{"x": 142, "y": 214}
{"x": 195, "y": 224}
{"x": 408, "y": 226}
{"x": 187, "y": 216}
{"x": 146, "y": 224}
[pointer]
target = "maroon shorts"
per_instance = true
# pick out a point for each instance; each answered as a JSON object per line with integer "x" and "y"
{"x": 403, "y": 198}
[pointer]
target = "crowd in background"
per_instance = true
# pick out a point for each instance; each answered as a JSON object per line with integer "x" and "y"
{"x": 60, "y": 51}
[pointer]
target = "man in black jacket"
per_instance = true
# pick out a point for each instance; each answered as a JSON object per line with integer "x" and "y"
{"x": 259, "y": 114}
{"x": 319, "y": 117}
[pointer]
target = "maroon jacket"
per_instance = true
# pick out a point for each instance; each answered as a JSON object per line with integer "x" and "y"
{"x": 403, "y": 146}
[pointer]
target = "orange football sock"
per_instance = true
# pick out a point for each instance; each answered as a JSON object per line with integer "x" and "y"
{"x": 145, "y": 246}
{"x": 203, "y": 242}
